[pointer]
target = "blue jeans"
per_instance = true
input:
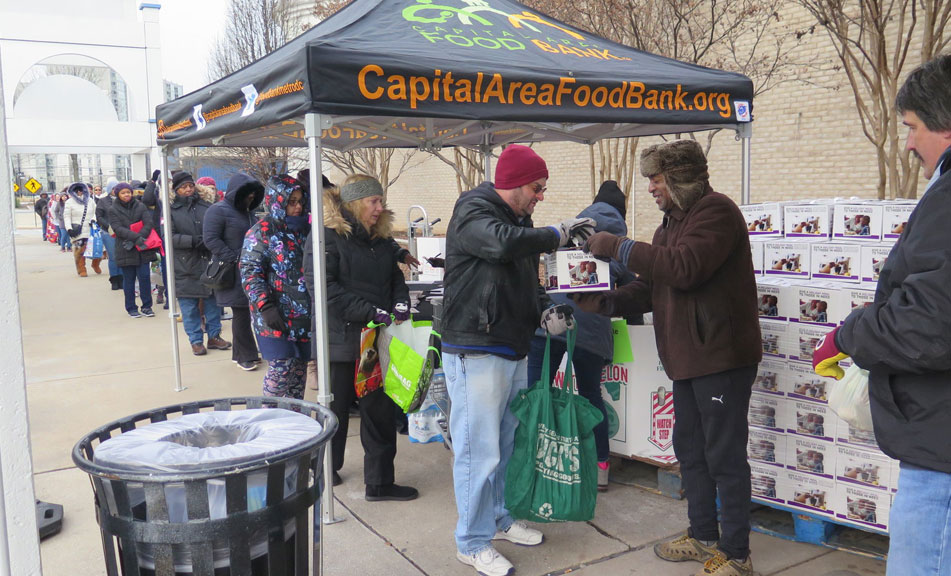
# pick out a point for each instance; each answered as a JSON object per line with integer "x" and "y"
{"x": 43, "y": 218}
{"x": 110, "y": 245}
{"x": 481, "y": 387}
{"x": 64, "y": 241}
{"x": 191, "y": 318}
{"x": 129, "y": 275}
{"x": 920, "y": 524}
{"x": 587, "y": 370}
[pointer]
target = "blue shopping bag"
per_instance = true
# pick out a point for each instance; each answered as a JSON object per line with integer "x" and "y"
{"x": 94, "y": 244}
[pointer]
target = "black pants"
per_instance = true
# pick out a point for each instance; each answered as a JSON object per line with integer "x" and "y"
{"x": 710, "y": 436}
{"x": 245, "y": 348}
{"x": 377, "y": 426}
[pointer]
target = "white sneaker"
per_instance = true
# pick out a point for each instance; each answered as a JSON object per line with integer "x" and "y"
{"x": 487, "y": 562}
{"x": 520, "y": 533}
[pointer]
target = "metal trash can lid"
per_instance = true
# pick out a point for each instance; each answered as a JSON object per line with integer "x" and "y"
{"x": 207, "y": 440}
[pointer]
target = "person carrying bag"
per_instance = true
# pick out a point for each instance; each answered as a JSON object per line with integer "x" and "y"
{"x": 553, "y": 474}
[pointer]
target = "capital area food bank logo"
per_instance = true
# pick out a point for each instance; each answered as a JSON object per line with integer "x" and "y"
{"x": 465, "y": 26}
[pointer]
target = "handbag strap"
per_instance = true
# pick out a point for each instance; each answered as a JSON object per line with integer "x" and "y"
{"x": 570, "y": 336}
{"x": 83, "y": 219}
{"x": 546, "y": 362}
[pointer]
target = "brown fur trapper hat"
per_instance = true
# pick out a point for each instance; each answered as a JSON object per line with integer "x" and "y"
{"x": 684, "y": 167}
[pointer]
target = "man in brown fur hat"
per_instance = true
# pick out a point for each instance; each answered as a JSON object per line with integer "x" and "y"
{"x": 697, "y": 278}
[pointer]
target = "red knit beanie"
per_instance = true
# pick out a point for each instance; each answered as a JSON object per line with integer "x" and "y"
{"x": 518, "y": 165}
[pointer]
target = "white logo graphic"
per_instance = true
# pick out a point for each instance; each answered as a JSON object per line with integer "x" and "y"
{"x": 720, "y": 399}
{"x": 546, "y": 510}
{"x": 742, "y": 110}
{"x": 251, "y": 96}
{"x": 199, "y": 119}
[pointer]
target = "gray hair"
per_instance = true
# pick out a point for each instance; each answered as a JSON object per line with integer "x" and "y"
{"x": 925, "y": 92}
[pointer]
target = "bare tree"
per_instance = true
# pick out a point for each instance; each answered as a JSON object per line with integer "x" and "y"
{"x": 874, "y": 40}
{"x": 386, "y": 164}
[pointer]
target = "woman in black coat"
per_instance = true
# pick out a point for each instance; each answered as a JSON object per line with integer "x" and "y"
{"x": 223, "y": 231}
{"x": 130, "y": 254}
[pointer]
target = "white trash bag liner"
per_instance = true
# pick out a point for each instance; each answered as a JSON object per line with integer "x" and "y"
{"x": 207, "y": 440}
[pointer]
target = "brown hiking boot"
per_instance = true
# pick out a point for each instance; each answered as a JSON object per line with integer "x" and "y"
{"x": 218, "y": 343}
{"x": 199, "y": 350}
{"x": 684, "y": 549}
{"x": 720, "y": 565}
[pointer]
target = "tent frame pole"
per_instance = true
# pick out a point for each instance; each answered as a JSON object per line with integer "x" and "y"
{"x": 165, "y": 205}
{"x": 487, "y": 157}
{"x": 745, "y": 133}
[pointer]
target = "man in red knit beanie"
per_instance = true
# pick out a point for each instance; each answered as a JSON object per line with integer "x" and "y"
{"x": 493, "y": 303}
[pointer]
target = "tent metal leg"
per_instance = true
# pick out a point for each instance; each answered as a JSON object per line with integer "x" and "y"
{"x": 745, "y": 133}
{"x": 170, "y": 267}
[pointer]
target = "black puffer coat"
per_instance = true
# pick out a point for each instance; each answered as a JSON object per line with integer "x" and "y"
{"x": 121, "y": 216}
{"x": 225, "y": 226}
{"x": 362, "y": 275}
{"x": 191, "y": 255}
{"x": 103, "y": 206}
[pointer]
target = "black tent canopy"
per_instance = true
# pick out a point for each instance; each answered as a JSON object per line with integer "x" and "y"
{"x": 426, "y": 75}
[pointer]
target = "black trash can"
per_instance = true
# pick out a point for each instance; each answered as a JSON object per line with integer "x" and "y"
{"x": 241, "y": 515}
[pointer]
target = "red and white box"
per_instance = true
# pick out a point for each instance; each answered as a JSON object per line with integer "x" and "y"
{"x": 770, "y": 377}
{"x": 808, "y": 492}
{"x": 865, "y": 507}
{"x": 763, "y": 219}
{"x": 769, "y": 412}
{"x": 802, "y": 383}
{"x": 811, "y": 455}
{"x": 811, "y": 419}
{"x": 836, "y": 262}
{"x": 807, "y": 221}
{"x": 767, "y": 447}
{"x": 894, "y": 219}
{"x": 863, "y": 467}
{"x": 861, "y": 221}
{"x": 765, "y": 482}
{"x": 872, "y": 260}
{"x": 575, "y": 270}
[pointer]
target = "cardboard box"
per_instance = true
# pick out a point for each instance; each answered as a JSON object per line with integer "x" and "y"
{"x": 770, "y": 377}
{"x": 895, "y": 474}
{"x": 763, "y": 219}
{"x": 790, "y": 259}
{"x": 430, "y": 247}
{"x": 863, "y": 467}
{"x": 573, "y": 270}
{"x": 757, "y": 248}
{"x": 810, "y": 455}
{"x": 803, "y": 383}
{"x": 769, "y": 298}
{"x": 774, "y": 338}
{"x": 767, "y": 411}
{"x": 865, "y": 507}
{"x": 836, "y": 262}
{"x": 862, "y": 221}
{"x": 858, "y": 296}
{"x": 811, "y": 419}
{"x": 765, "y": 482}
{"x": 895, "y": 218}
{"x": 767, "y": 447}
{"x": 848, "y": 435}
{"x": 817, "y": 305}
{"x": 807, "y": 220}
{"x": 806, "y": 336}
{"x": 872, "y": 260}
{"x": 808, "y": 492}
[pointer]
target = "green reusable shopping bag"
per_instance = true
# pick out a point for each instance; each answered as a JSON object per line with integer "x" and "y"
{"x": 553, "y": 474}
{"x": 408, "y": 354}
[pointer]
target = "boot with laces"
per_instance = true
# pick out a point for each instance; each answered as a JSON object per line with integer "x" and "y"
{"x": 684, "y": 549}
{"x": 720, "y": 565}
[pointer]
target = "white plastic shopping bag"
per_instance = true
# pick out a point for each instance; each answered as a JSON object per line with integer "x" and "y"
{"x": 849, "y": 398}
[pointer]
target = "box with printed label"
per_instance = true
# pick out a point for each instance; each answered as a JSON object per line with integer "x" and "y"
{"x": 895, "y": 218}
{"x": 817, "y": 305}
{"x": 430, "y": 247}
{"x": 769, "y": 298}
{"x": 873, "y": 258}
{"x": 847, "y": 434}
{"x": 775, "y": 339}
{"x": 767, "y": 447}
{"x": 805, "y": 338}
{"x": 763, "y": 219}
{"x": 765, "y": 482}
{"x": 807, "y": 220}
{"x": 896, "y": 471}
{"x": 575, "y": 270}
{"x": 787, "y": 258}
{"x": 767, "y": 411}
{"x": 811, "y": 419}
{"x": 802, "y": 383}
{"x": 862, "y": 222}
{"x": 858, "y": 296}
{"x": 770, "y": 377}
{"x": 757, "y": 248}
{"x": 863, "y": 467}
{"x": 838, "y": 262}
{"x": 811, "y": 455}
{"x": 808, "y": 492}
{"x": 866, "y": 507}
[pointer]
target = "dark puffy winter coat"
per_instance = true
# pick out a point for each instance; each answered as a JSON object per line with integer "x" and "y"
{"x": 272, "y": 265}
{"x": 362, "y": 275}
{"x": 102, "y": 211}
{"x": 225, "y": 226}
{"x": 191, "y": 255}
{"x": 151, "y": 199}
{"x": 903, "y": 338}
{"x": 492, "y": 293}
{"x": 121, "y": 216}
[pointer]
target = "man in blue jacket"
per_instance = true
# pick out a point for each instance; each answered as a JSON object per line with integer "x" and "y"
{"x": 493, "y": 303}
{"x": 904, "y": 340}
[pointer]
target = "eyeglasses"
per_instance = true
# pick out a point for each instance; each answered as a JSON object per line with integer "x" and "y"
{"x": 295, "y": 202}
{"x": 538, "y": 188}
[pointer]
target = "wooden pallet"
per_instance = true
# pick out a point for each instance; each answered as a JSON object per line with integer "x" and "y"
{"x": 799, "y": 526}
{"x": 663, "y": 479}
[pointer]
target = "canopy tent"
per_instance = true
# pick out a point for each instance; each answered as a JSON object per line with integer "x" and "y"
{"x": 412, "y": 73}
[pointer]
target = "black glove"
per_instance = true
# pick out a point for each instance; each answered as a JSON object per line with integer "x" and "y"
{"x": 558, "y": 319}
{"x": 155, "y": 175}
{"x": 436, "y": 262}
{"x": 74, "y": 230}
{"x": 127, "y": 245}
{"x": 140, "y": 244}
{"x": 197, "y": 243}
{"x": 272, "y": 317}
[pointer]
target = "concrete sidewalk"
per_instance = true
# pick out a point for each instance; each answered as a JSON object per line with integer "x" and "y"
{"x": 88, "y": 363}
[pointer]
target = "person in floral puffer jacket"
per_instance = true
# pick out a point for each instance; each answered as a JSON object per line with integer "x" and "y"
{"x": 272, "y": 276}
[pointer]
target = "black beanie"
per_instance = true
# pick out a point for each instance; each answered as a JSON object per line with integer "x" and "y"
{"x": 181, "y": 178}
{"x": 610, "y": 193}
